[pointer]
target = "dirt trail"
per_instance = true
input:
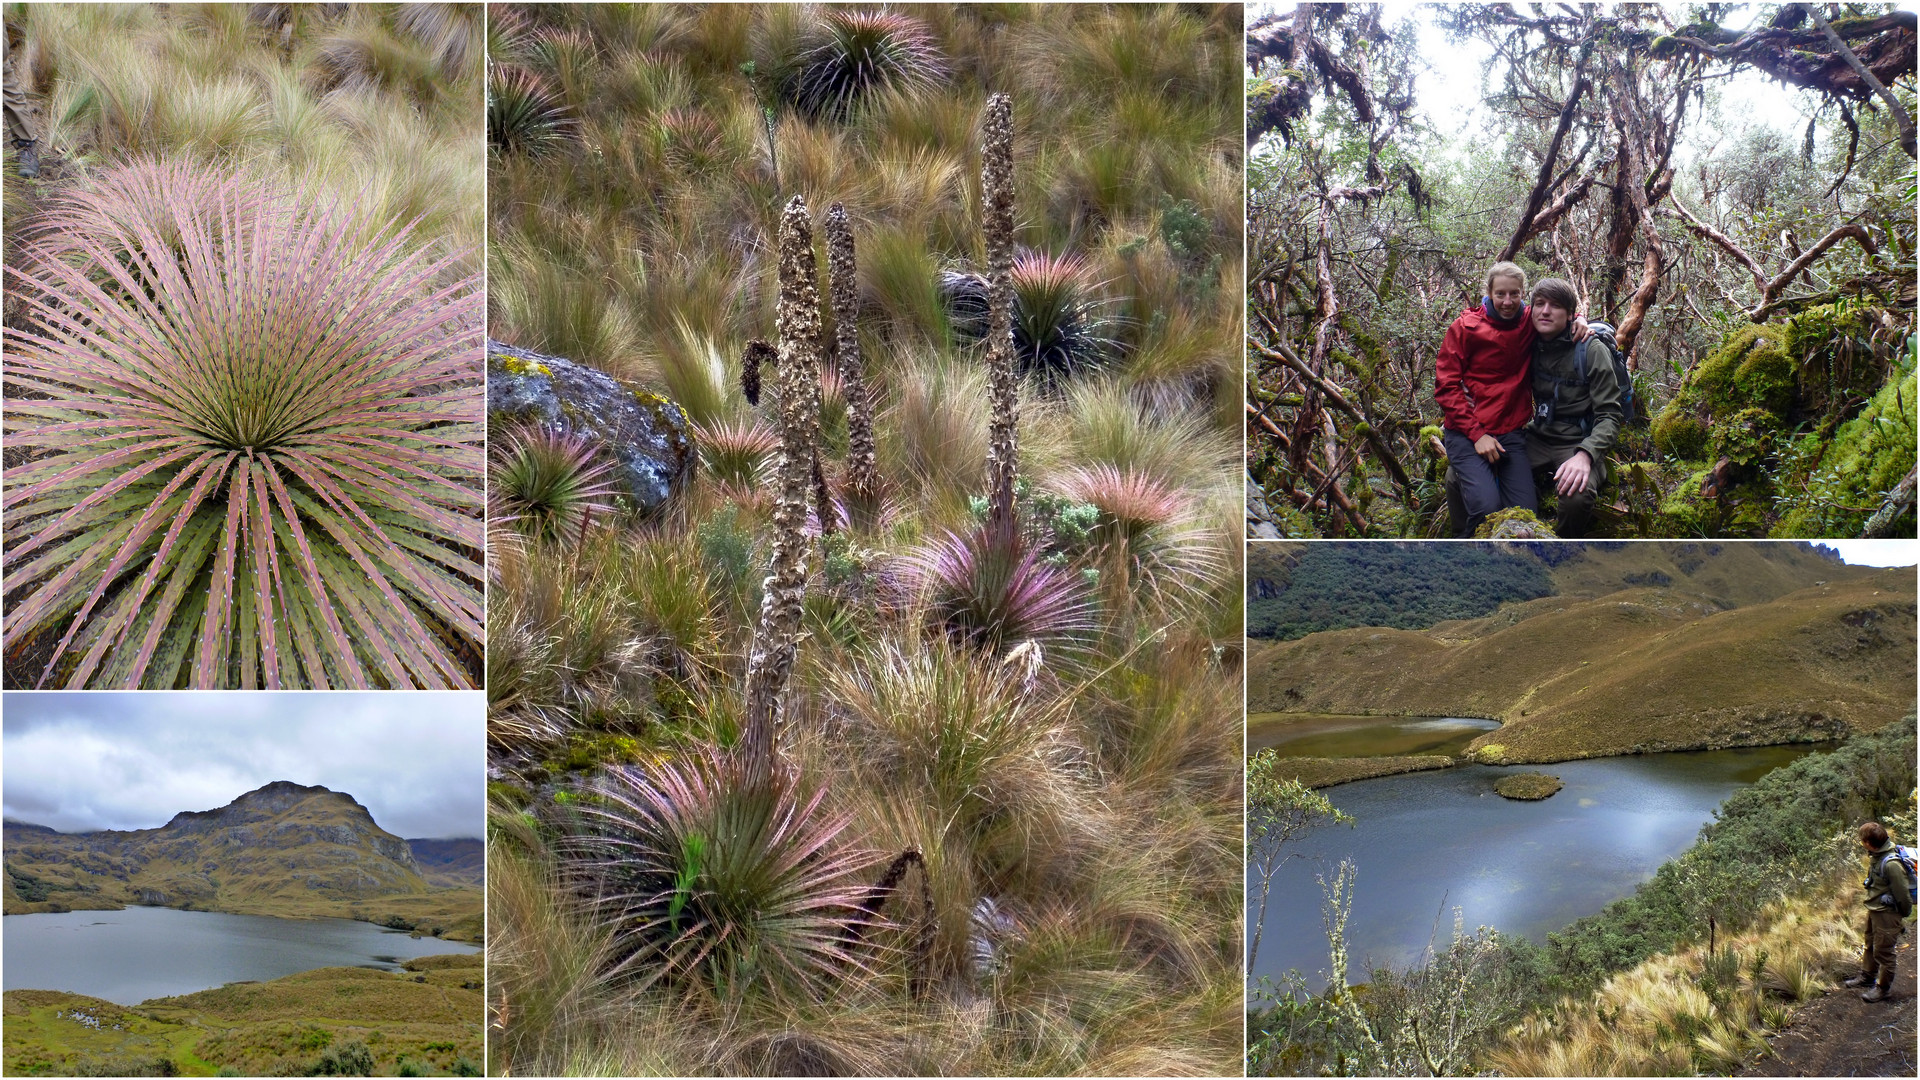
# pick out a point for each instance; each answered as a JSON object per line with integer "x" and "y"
{"x": 1840, "y": 1035}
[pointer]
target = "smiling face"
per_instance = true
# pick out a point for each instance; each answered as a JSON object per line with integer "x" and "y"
{"x": 1549, "y": 318}
{"x": 1507, "y": 294}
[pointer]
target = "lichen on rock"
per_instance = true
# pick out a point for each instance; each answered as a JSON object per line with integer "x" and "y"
{"x": 645, "y": 435}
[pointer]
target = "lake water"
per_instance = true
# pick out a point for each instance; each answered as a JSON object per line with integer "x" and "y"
{"x": 1308, "y": 735}
{"x": 1425, "y": 843}
{"x": 140, "y": 953}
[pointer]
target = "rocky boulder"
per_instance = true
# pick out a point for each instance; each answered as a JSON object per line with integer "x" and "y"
{"x": 643, "y": 433}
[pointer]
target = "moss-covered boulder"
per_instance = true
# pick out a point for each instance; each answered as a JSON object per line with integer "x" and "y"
{"x": 645, "y": 434}
{"x": 1768, "y": 436}
{"x": 1514, "y": 523}
{"x": 1530, "y": 786}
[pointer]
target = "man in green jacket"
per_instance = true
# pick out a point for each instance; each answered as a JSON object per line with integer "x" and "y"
{"x": 1889, "y": 900}
{"x": 1576, "y": 416}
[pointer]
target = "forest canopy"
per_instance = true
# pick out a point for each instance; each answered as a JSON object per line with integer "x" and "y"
{"x": 1409, "y": 586}
{"x": 1761, "y": 279}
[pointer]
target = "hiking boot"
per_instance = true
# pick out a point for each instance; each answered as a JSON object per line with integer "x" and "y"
{"x": 1880, "y": 992}
{"x": 1858, "y": 980}
{"x": 29, "y": 156}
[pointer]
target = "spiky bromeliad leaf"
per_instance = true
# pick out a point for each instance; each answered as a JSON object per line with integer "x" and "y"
{"x": 855, "y": 53}
{"x": 993, "y": 593}
{"x": 1060, "y": 328}
{"x": 701, "y": 871}
{"x": 253, "y": 435}
{"x": 549, "y": 483}
{"x": 524, "y": 115}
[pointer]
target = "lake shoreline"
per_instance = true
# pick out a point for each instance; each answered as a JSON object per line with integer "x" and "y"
{"x": 1327, "y": 772}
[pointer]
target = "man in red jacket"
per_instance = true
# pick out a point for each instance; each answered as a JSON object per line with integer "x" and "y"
{"x": 1484, "y": 389}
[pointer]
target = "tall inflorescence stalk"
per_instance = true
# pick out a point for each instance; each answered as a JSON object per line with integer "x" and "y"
{"x": 797, "y": 374}
{"x": 996, "y": 199}
{"x": 863, "y": 474}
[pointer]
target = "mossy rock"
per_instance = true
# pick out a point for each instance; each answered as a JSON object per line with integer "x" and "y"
{"x": 1747, "y": 436}
{"x": 1490, "y": 754}
{"x": 1765, "y": 378}
{"x": 1530, "y": 786}
{"x": 1514, "y": 523}
{"x": 1676, "y": 431}
{"x": 1866, "y": 458}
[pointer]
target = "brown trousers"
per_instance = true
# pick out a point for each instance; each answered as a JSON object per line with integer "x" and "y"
{"x": 1883, "y": 933}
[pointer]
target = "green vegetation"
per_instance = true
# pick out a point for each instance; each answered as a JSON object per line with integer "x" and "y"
{"x": 326, "y": 1022}
{"x": 1786, "y": 837}
{"x": 1333, "y": 586}
{"x": 1815, "y": 649}
{"x": 857, "y": 755}
{"x": 1762, "y": 294}
{"x": 329, "y": 860}
{"x": 1527, "y": 785}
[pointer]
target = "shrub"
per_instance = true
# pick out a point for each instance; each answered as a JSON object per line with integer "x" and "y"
{"x": 254, "y": 425}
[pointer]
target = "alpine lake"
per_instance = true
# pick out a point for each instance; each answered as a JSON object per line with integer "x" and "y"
{"x": 140, "y": 953}
{"x": 1427, "y": 843}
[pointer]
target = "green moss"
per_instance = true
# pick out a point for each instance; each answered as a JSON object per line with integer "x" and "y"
{"x": 1765, "y": 378}
{"x": 1686, "y": 512}
{"x": 1513, "y": 523}
{"x": 1866, "y": 458}
{"x": 508, "y": 794}
{"x": 1746, "y": 436}
{"x": 1725, "y": 377}
{"x": 1676, "y": 431}
{"x": 1491, "y": 754}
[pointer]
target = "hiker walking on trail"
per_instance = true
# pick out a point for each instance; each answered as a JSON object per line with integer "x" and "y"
{"x": 1890, "y": 893}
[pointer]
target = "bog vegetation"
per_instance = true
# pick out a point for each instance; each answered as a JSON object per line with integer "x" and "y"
{"x": 904, "y": 737}
{"x": 1686, "y": 976}
{"x": 243, "y": 329}
{"x": 1763, "y": 285}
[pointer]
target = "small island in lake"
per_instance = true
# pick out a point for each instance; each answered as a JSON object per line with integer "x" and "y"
{"x": 1526, "y": 786}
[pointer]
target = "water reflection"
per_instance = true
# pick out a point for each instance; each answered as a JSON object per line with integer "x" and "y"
{"x": 1427, "y": 842}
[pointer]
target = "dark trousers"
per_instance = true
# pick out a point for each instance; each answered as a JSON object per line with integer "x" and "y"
{"x": 1883, "y": 933}
{"x": 1573, "y": 513}
{"x": 1476, "y": 489}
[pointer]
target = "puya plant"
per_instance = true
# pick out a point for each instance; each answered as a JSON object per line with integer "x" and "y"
{"x": 797, "y": 369}
{"x": 251, "y": 431}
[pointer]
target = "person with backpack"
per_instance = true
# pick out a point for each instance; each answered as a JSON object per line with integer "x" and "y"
{"x": 1579, "y": 406}
{"x": 1480, "y": 384}
{"x": 1890, "y": 898}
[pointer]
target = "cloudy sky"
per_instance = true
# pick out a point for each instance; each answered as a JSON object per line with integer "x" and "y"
{"x": 82, "y": 761}
{"x": 1877, "y": 552}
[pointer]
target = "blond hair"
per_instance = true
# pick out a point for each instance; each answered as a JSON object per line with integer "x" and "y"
{"x": 1506, "y": 269}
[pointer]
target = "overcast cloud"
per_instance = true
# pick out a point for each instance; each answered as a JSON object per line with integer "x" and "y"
{"x": 83, "y": 761}
{"x": 1877, "y": 552}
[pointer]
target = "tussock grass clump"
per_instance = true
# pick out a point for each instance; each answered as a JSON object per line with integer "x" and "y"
{"x": 995, "y": 717}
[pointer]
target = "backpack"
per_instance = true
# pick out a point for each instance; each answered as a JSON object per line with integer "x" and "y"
{"x": 1907, "y": 862}
{"x": 1604, "y": 331}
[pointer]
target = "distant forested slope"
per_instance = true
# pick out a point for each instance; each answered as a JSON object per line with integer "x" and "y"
{"x": 1409, "y": 586}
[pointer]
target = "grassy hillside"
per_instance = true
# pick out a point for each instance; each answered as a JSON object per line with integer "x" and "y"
{"x": 451, "y": 862}
{"x": 1040, "y": 721}
{"x": 283, "y": 850}
{"x": 429, "y": 1017}
{"x": 1635, "y": 670}
{"x": 1296, "y": 589}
